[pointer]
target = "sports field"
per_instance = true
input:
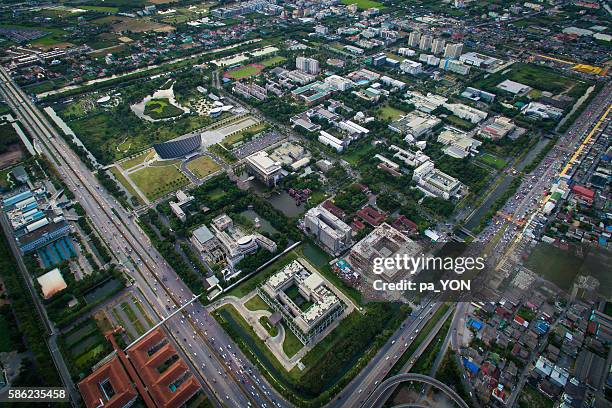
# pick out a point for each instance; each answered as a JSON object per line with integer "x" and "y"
{"x": 364, "y": 4}
{"x": 244, "y": 71}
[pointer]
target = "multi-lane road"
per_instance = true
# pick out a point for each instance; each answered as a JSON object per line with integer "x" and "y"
{"x": 221, "y": 368}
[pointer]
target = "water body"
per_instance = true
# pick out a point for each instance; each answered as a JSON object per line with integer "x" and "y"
{"x": 477, "y": 215}
{"x": 281, "y": 200}
{"x": 265, "y": 224}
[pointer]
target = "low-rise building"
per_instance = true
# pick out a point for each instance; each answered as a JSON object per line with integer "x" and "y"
{"x": 384, "y": 242}
{"x": 458, "y": 144}
{"x": 425, "y": 103}
{"x": 541, "y": 111}
{"x": 498, "y": 128}
{"x": 435, "y": 182}
{"x": 466, "y": 112}
{"x": 264, "y": 168}
{"x": 513, "y": 87}
{"x": 415, "y": 124}
{"x": 411, "y": 67}
{"x": 304, "y": 300}
{"x": 410, "y": 158}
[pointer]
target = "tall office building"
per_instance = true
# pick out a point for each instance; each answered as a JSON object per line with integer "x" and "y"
{"x": 425, "y": 43}
{"x": 329, "y": 230}
{"x": 307, "y": 65}
{"x": 453, "y": 51}
{"x": 414, "y": 38}
{"x": 437, "y": 46}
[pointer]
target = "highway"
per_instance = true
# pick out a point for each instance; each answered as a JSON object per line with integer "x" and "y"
{"x": 364, "y": 383}
{"x": 236, "y": 381}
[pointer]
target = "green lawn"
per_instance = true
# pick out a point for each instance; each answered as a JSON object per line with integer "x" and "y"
{"x": 270, "y": 62}
{"x": 158, "y": 181}
{"x": 135, "y": 161}
{"x": 243, "y": 72}
{"x": 257, "y": 303}
{"x": 234, "y": 138}
{"x": 390, "y": 113}
{"x": 203, "y": 166}
{"x": 125, "y": 183}
{"x": 493, "y": 161}
{"x": 103, "y": 9}
{"x": 364, "y": 4}
{"x": 161, "y": 109}
{"x": 265, "y": 323}
{"x": 291, "y": 344}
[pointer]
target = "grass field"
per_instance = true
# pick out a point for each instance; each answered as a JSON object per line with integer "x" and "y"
{"x": 124, "y": 182}
{"x": 537, "y": 77}
{"x": 390, "y": 113}
{"x": 232, "y": 139}
{"x": 555, "y": 265}
{"x": 158, "y": 181}
{"x": 103, "y": 9}
{"x": 244, "y": 71}
{"x": 257, "y": 303}
{"x": 532, "y": 398}
{"x": 161, "y": 109}
{"x": 271, "y": 329}
{"x": 364, "y": 4}
{"x": 270, "y": 62}
{"x": 203, "y": 166}
{"x": 291, "y": 344}
{"x": 492, "y": 161}
{"x": 135, "y": 161}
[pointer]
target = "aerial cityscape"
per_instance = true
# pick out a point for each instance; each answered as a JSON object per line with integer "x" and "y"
{"x": 300, "y": 203}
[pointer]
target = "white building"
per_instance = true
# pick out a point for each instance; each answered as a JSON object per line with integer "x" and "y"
{"x": 414, "y": 38}
{"x": 458, "y": 144}
{"x": 264, "y": 168}
{"x": 410, "y": 158}
{"x": 384, "y": 242}
{"x": 466, "y": 112}
{"x": 411, "y": 67}
{"x": 425, "y": 42}
{"x": 414, "y": 124}
{"x": 435, "y": 182}
{"x": 453, "y": 51}
{"x": 332, "y": 141}
{"x": 307, "y": 65}
{"x": 338, "y": 82}
{"x": 429, "y": 59}
{"x": 425, "y": 103}
{"x": 329, "y": 230}
{"x": 304, "y": 300}
{"x": 437, "y": 46}
{"x": 455, "y": 66}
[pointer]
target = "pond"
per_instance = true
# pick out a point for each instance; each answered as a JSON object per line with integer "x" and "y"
{"x": 265, "y": 224}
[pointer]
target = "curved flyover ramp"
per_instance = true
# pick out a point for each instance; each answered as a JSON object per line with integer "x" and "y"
{"x": 374, "y": 400}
